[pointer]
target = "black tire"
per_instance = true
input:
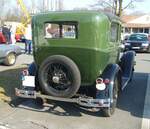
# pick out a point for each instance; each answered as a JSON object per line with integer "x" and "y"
{"x": 148, "y": 50}
{"x": 10, "y": 59}
{"x": 59, "y": 76}
{"x": 108, "y": 112}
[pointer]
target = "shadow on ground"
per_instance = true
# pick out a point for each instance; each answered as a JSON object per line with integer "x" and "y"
{"x": 133, "y": 97}
{"x": 130, "y": 100}
{"x": 9, "y": 79}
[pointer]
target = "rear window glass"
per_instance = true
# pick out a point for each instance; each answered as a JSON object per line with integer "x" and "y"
{"x": 114, "y": 32}
{"x": 138, "y": 37}
{"x": 66, "y": 30}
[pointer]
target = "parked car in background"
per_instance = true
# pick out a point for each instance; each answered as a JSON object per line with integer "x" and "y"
{"x": 138, "y": 42}
{"x": 9, "y": 53}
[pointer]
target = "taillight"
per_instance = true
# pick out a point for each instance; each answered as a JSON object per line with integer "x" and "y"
{"x": 101, "y": 84}
{"x": 106, "y": 81}
{"x": 99, "y": 80}
{"x": 25, "y": 72}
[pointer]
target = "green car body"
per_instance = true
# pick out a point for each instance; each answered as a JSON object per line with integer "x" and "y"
{"x": 95, "y": 46}
{"x": 78, "y": 48}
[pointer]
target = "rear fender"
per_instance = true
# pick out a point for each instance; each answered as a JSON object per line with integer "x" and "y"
{"x": 110, "y": 73}
{"x": 8, "y": 52}
{"x": 127, "y": 62}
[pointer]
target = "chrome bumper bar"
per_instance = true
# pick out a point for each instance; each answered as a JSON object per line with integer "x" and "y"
{"x": 86, "y": 102}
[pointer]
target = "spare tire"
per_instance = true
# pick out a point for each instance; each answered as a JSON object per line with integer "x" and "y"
{"x": 59, "y": 76}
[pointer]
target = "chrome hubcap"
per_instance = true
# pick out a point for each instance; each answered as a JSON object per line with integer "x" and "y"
{"x": 11, "y": 58}
{"x": 55, "y": 79}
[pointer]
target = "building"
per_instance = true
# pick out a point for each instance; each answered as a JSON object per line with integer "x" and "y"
{"x": 52, "y": 5}
{"x": 136, "y": 24}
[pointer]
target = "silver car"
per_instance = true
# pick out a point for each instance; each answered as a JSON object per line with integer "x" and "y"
{"x": 9, "y": 53}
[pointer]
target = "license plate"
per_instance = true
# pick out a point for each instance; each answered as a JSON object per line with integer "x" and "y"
{"x": 135, "y": 47}
{"x": 28, "y": 81}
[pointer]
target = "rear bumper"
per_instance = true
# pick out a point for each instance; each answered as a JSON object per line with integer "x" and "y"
{"x": 140, "y": 49}
{"x": 82, "y": 101}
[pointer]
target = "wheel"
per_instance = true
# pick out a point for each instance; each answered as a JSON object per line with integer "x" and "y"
{"x": 110, "y": 111}
{"x": 59, "y": 76}
{"x": 10, "y": 59}
{"x": 148, "y": 50}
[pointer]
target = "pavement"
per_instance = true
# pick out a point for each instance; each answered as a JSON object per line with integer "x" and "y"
{"x": 146, "y": 112}
{"x": 133, "y": 108}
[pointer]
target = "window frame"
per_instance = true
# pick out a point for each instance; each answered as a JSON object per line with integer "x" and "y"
{"x": 61, "y": 23}
{"x": 117, "y": 34}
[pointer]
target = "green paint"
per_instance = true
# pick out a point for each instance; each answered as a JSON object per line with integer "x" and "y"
{"x": 92, "y": 51}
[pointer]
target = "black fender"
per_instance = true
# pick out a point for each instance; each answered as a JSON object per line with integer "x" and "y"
{"x": 127, "y": 62}
{"x": 32, "y": 69}
{"x": 110, "y": 72}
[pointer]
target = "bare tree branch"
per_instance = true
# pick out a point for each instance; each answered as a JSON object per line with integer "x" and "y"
{"x": 108, "y": 4}
{"x": 128, "y": 4}
{"x": 115, "y": 5}
{"x": 102, "y": 3}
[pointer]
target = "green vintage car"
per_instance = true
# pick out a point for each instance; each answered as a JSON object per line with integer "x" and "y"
{"x": 74, "y": 49}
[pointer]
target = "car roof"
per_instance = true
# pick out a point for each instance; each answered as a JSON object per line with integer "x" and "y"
{"x": 87, "y": 14}
{"x": 140, "y": 34}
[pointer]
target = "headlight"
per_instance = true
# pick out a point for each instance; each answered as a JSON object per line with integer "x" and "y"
{"x": 127, "y": 44}
{"x": 145, "y": 44}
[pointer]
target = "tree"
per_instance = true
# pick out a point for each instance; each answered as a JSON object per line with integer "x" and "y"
{"x": 116, "y": 5}
{"x": 13, "y": 15}
{"x": 2, "y": 7}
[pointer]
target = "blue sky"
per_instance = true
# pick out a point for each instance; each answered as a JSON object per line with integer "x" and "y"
{"x": 142, "y": 5}
{"x": 70, "y": 4}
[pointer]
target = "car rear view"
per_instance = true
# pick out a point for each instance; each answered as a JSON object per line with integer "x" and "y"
{"x": 76, "y": 59}
{"x": 138, "y": 42}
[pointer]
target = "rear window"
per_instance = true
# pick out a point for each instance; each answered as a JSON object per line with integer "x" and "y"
{"x": 138, "y": 37}
{"x": 114, "y": 32}
{"x": 61, "y": 30}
